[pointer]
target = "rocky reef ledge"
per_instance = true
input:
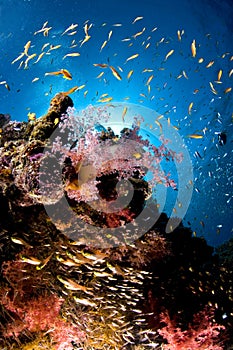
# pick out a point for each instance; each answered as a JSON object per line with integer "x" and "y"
{"x": 164, "y": 291}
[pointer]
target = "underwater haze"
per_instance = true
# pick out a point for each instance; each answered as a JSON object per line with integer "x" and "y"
{"x": 173, "y": 57}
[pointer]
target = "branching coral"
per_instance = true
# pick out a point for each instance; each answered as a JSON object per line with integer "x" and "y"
{"x": 203, "y": 333}
{"x": 41, "y": 314}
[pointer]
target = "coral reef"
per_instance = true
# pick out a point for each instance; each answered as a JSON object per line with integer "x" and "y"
{"x": 58, "y": 290}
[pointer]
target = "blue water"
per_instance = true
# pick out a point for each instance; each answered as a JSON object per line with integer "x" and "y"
{"x": 210, "y": 23}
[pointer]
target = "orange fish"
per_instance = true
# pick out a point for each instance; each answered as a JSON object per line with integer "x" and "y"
{"x": 129, "y": 74}
{"x": 70, "y": 91}
{"x": 66, "y": 74}
{"x": 169, "y": 54}
{"x": 227, "y": 90}
{"x": 210, "y": 64}
{"x": 193, "y": 48}
{"x": 115, "y": 73}
{"x": 219, "y": 75}
{"x": 195, "y": 136}
{"x": 102, "y": 65}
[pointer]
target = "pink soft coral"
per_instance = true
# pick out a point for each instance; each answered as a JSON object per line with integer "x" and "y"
{"x": 42, "y": 314}
{"x": 203, "y": 333}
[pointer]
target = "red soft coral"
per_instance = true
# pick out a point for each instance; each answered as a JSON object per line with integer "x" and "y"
{"x": 203, "y": 333}
{"x": 42, "y": 314}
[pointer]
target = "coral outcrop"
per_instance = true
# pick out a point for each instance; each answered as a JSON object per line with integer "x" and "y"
{"x": 122, "y": 296}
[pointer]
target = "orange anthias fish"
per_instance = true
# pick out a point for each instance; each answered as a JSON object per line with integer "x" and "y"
{"x": 195, "y": 136}
{"x": 70, "y": 91}
{"x": 102, "y": 65}
{"x": 193, "y": 48}
{"x": 115, "y": 73}
{"x": 66, "y": 74}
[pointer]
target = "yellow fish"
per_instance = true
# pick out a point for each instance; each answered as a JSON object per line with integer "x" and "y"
{"x": 132, "y": 57}
{"x": 103, "y": 45}
{"x": 115, "y": 73}
{"x": 26, "y": 47}
{"x": 7, "y": 87}
{"x": 31, "y": 116}
{"x": 18, "y": 58}
{"x": 212, "y": 88}
{"x": 66, "y": 74}
{"x": 169, "y": 54}
{"x": 73, "y": 54}
{"x": 102, "y": 65}
{"x": 72, "y": 33}
{"x": 81, "y": 87}
{"x": 147, "y": 70}
{"x": 137, "y": 155}
{"x": 129, "y": 74}
{"x": 195, "y": 136}
{"x": 116, "y": 269}
{"x": 179, "y": 35}
{"x": 70, "y": 91}
{"x": 20, "y": 241}
{"x": 227, "y": 90}
{"x": 39, "y": 57}
{"x": 210, "y": 64}
{"x": 149, "y": 79}
{"x": 193, "y": 48}
{"x": 124, "y": 113}
{"x": 107, "y": 99}
{"x": 159, "y": 124}
{"x": 109, "y": 35}
{"x": 184, "y": 74}
{"x": 52, "y": 47}
{"x": 190, "y": 108}
{"x": 86, "y": 28}
{"x": 28, "y": 59}
{"x": 139, "y": 33}
{"x": 100, "y": 75}
{"x": 44, "y": 46}
{"x": 46, "y": 31}
{"x": 44, "y": 263}
{"x": 137, "y": 19}
{"x": 219, "y": 74}
{"x": 71, "y": 27}
{"x": 87, "y": 37}
{"x": 85, "y": 302}
{"x": 56, "y": 121}
{"x": 70, "y": 284}
{"x": 230, "y": 73}
{"x": 30, "y": 260}
{"x": 201, "y": 60}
